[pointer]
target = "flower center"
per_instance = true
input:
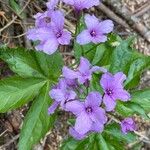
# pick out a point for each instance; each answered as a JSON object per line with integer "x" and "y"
{"x": 58, "y": 34}
{"x": 47, "y": 19}
{"x": 93, "y": 33}
{"x": 109, "y": 92}
{"x": 89, "y": 109}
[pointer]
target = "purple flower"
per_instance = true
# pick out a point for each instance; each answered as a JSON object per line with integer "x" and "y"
{"x": 52, "y": 4}
{"x": 43, "y": 19}
{"x": 84, "y": 71}
{"x": 81, "y": 4}
{"x": 113, "y": 89}
{"x": 75, "y": 134}
{"x": 90, "y": 117}
{"x": 51, "y": 37}
{"x": 96, "y": 31}
{"x": 128, "y": 124}
{"x": 61, "y": 94}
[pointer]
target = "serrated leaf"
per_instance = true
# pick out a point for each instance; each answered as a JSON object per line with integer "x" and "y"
{"x": 102, "y": 144}
{"x": 16, "y": 91}
{"x": 30, "y": 63}
{"x": 129, "y": 61}
{"x": 129, "y": 109}
{"x": 142, "y": 97}
{"x": 37, "y": 121}
{"x": 114, "y": 132}
{"x": 50, "y": 64}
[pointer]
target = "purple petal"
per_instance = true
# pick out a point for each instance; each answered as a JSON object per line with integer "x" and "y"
{"x": 50, "y": 46}
{"x": 75, "y": 134}
{"x": 88, "y": 3}
{"x": 65, "y": 38}
{"x": 106, "y": 80}
{"x": 84, "y": 37}
{"x": 84, "y": 65}
{"x": 57, "y": 19}
{"x": 106, "y": 26}
{"x": 53, "y": 107}
{"x": 100, "y": 115}
{"x": 57, "y": 95}
{"x": 72, "y": 95}
{"x": 68, "y": 73}
{"x": 120, "y": 77}
{"x": 62, "y": 84}
{"x": 97, "y": 127}
{"x": 32, "y": 34}
{"x": 99, "y": 38}
{"x": 70, "y": 2}
{"x": 98, "y": 69}
{"x": 52, "y": 4}
{"x": 93, "y": 99}
{"x": 76, "y": 107}
{"x": 109, "y": 103}
{"x": 122, "y": 95}
{"x": 83, "y": 123}
{"x": 91, "y": 21}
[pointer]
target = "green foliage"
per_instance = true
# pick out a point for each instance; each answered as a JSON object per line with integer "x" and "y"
{"x": 35, "y": 73}
{"x": 108, "y": 140}
{"x": 37, "y": 122}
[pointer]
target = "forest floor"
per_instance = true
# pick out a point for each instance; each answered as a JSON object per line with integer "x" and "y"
{"x": 132, "y": 18}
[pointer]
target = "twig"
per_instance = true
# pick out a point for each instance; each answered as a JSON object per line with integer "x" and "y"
{"x": 142, "y": 10}
{"x": 130, "y": 21}
{"x": 7, "y": 25}
{"x": 10, "y": 142}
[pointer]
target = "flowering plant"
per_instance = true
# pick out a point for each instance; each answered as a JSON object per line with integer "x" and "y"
{"x": 99, "y": 90}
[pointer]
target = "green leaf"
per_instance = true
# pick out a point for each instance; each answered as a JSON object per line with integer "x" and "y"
{"x": 29, "y": 63}
{"x": 72, "y": 144}
{"x": 16, "y": 7}
{"x": 129, "y": 61}
{"x": 50, "y": 65}
{"x": 129, "y": 109}
{"x": 37, "y": 121}
{"x": 142, "y": 97}
{"x": 102, "y": 144}
{"x": 114, "y": 132}
{"x": 16, "y": 91}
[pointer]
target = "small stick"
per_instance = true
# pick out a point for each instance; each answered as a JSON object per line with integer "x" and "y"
{"x": 7, "y": 25}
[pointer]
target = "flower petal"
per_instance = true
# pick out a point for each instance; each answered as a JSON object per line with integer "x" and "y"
{"x": 50, "y": 46}
{"x": 84, "y": 65}
{"x": 106, "y": 80}
{"x": 122, "y": 95}
{"x": 109, "y": 103}
{"x": 75, "y": 134}
{"x": 97, "y": 127}
{"x": 68, "y": 73}
{"x": 84, "y": 37}
{"x": 76, "y": 107}
{"x": 53, "y": 107}
{"x": 65, "y": 38}
{"x": 99, "y": 38}
{"x": 91, "y": 21}
{"x": 83, "y": 123}
{"x": 93, "y": 99}
{"x": 120, "y": 77}
{"x": 100, "y": 115}
{"x": 106, "y": 26}
{"x": 98, "y": 69}
{"x": 57, "y": 95}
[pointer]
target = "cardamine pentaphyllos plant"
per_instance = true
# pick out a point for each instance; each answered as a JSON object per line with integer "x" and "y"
{"x": 99, "y": 89}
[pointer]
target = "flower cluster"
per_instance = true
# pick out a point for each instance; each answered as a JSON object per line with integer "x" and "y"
{"x": 71, "y": 94}
{"x": 49, "y": 27}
